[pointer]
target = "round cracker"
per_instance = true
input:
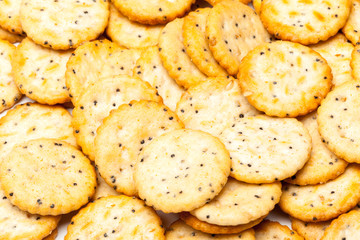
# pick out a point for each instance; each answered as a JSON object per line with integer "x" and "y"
{"x": 153, "y": 12}
{"x": 116, "y": 217}
{"x": 150, "y": 69}
{"x": 97, "y": 101}
{"x": 47, "y": 177}
{"x": 315, "y": 203}
{"x": 265, "y": 149}
{"x": 8, "y": 36}
{"x": 285, "y": 79}
{"x": 347, "y": 226}
{"x": 103, "y": 189}
{"x": 94, "y": 60}
{"x": 174, "y": 57}
{"x": 337, "y": 52}
{"x": 202, "y": 167}
{"x": 53, "y": 235}
{"x": 196, "y": 44}
{"x": 9, "y": 92}
{"x": 213, "y": 105}
{"x": 304, "y": 22}
{"x": 124, "y": 134}
{"x": 10, "y": 16}
{"x": 323, "y": 165}
{"x": 338, "y": 119}
{"x": 239, "y": 203}
{"x": 233, "y": 29}
{"x": 355, "y": 63}
{"x": 131, "y": 34}
{"x": 214, "y": 2}
{"x": 309, "y": 231}
{"x": 352, "y": 26}
{"x": 273, "y": 230}
{"x": 80, "y": 21}
{"x": 40, "y": 72}
{"x": 180, "y": 230}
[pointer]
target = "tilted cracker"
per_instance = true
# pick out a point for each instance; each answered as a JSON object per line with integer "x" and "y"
{"x": 323, "y": 165}
{"x": 181, "y": 170}
{"x": 116, "y": 217}
{"x": 233, "y": 29}
{"x": 284, "y": 79}
{"x": 355, "y": 63}
{"x": 316, "y": 203}
{"x": 269, "y": 230}
{"x": 124, "y": 134}
{"x": 309, "y": 230}
{"x": 97, "y": 101}
{"x": 53, "y": 235}
{"x": 352, "y": 26}
{"x": 213, "y": 105}
{"x": 47, "y": 177}
{"x": 131, "y": 34}
{"x": 40, "y": 72}
{"x": 150, "y": 69}
{"x": 103, "y": 189}
{"x": 265, "y": 149}
{"x": 305, "y": 22}
{"x": 80, "y": 21}
{"x": 257, "y": 6}
{"x": 8, "y": 36}
{"x": 10, "y": 16}
{"x": 174, "y": 57}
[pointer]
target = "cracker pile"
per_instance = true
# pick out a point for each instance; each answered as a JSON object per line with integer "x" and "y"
{"x": 212, "y": 111}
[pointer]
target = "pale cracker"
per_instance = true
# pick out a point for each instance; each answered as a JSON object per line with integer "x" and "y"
{"x": 265, "y": 149}
{"x": 124, "y": 134}
{"x": 150, "y": 69}
{"x": 323, "y": 165}
{"x": 8, "y": 36}
{"x": 213, "y": 105}
{"x": 97, "y": 101}
{"x": 285, "y": 79}
{"x": 338, "y": 119}
{"x": 103, "y": 189}
{"x": 337, "y": 52}
{"x": 95, "y": 60}
{"x": 269, "y": 230}
{"x": 131, "y": 34}
{"x": 10, "y": 16}
{"x": 53, "y": 235}
{"x": 174, "y": 57}
{"x": 9, "y": 92}
{"x": 309, "y": 230}
{"x": 181, "y": 170}
{"x": 233, "y": 29}
{"x": 40, "y": 72}
{"x": 315, "y": 203}
{"x": 239, "y": 203}
{"x": 180, "y": 230}
{"x": 352, "y": 26}
{"x": 47, "y": 177}
{"x": 79, "y": 21}
{"x": 355, "y": 63}
{"x": 305, "y": 22}
{"x": 116, "y": 217}
{"x": 196, "y": 44}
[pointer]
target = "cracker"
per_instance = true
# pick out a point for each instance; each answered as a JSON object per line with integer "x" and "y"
{"x": 268, "y": 230}
{"x": 323, "y": 165}
{"x": 202, "y": 167}
{"x": 174, "y": 57}
{"x": 338, "y": 121}
{"x": 233, "y": 29}
{"x": 305, "y": 22}
{"x": 216, "y": 229}
{"x": 16, "y": 224}
{"x": 103, "y": 189}
{"x": 316, "y": 203}
{"x": 239, "y": 203}
{"x": 99, "y": 99}
{"x": 9, "y": 92}
{"x": 196, "y": 44}
{"x": 131, "y": 34}
{"x": 10, "y": 16}
{"x": 116, "y": 217}
{"x": 8, "y": 36}
{"x": 53, "y": 235}
{"x": 213, "y": 2}
{"x": 40, "y": 72}
{"x": 180, "y": 230}
{"x": 47, "y": 177}
{"x": 309, "y": 231}
{"x": 150, "y": 69}
{"x": 153, "y": 12}
{"x": 124, "y": 134}
{"x": 257, "y": 6}
{"x": 337, "y": 52}
{"x": 213, "y": 105}
{"x": 79, "y": 22}
{"x": 352, "y": 26}
{"x": 285, "y": 79}
{"x": 355, "y": 63}
{"x": 95, "y": 60}
{"x": 265, "y": 149}
{"x": 31, "y": 121}
{"x": 347, "y": 226}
